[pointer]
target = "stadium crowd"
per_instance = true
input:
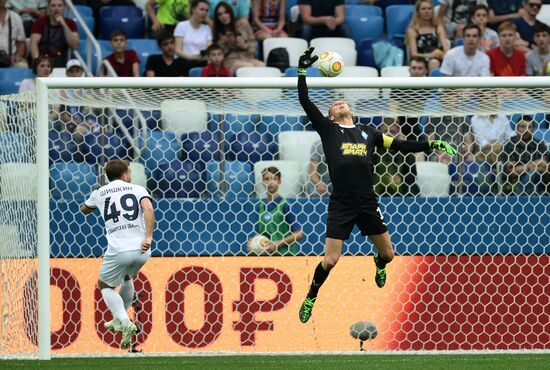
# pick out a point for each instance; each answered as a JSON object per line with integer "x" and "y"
{"x": 217, "y": 38}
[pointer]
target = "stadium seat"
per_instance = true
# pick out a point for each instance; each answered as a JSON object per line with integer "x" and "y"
{"x": 253, "y": 147}
{"x": 436, "y": 72}
{"x": 18, "y": 181}
{"x": 144, "y": 48}
{"x": 138, "y": 174}
{"x": 203, "y": 146}
{"x": 543, "y": 135}
{"x": 365, "y": 51}
{"x": 433, "y": 179}
{"x": 14, "y": 148}
{"x": 348, "y": 55}
{"x": 294, "y": 46}
{"x": 178, "y": 179}
{"x": 195, "y": 72}
{"x": 11, "y": 78}
{"x": 90, "y": 23}
{"x": 103, "y": 147}
{"x": 395, "y": 71}
{"x": 274, "y": 124}
{"x": 359, "y": 71}
{"x": 290, "y": 178}
{"x": 472, "y": 178}
{"x": 133, "y": 27}
{"x": 544, "y": 14}
{"x": 159, "y": 147}
{"x": 296, "y": 146}
{"x": 311, "y": 72}
{"x": 58, "y": 72}
{"x": 120, "y": 10}
{"x": 63, "y": 147}
{"x": 152, "y": 119}
{"x": 105, "y": 46}
{"x": 83, "y": 10}
{"x": 258, "y": 72}
{"x": 366, "y": 109}
{"x": 359, "y": 9}
{"x": 371, "y": 26}
{"x": 238, "y": 179}
{"x": 181, "y": 116}
{"x": 235, "y": 123}
{"x": 400, "y": 16}
{"x": 329, "y": 43}
{"x": 72, "y": 181}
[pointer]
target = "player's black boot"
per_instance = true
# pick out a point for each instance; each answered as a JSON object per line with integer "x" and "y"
{"x": 380, "y": 276}
{"x": 305, "y": 309}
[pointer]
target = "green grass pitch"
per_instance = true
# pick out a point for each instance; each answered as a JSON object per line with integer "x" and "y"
{"x": 378, "y": 362}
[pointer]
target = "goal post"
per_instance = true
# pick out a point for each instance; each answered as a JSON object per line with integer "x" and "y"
{"x": 471, "y": 250}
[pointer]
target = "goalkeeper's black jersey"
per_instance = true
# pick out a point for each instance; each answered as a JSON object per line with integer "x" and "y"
{"x": 349, "y": 149}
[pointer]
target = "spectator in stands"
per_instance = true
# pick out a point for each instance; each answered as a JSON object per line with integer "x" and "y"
{"x": 165, "y": 65}
{"x": 12, "y": 38}
{"x": 526, "y": 160}
{"x": 29, "y": 10}
{"x": 170, "y": 13}
{"x": 489, "y": 38}
{"x": 455, "y": 14}
{"x": 505, "y": 60}
{"x": 41, "y": 67}
{"x": 193, "y": 37}
{"x": 467, "y": 60}
{"x": 236, "y": 39}
{"x": 425, "y": 37}
{"x": 125, "y": 63}
{"x": 418, "y": 67}
{"x": 504, "y": 10}
{"x": 539, "y": 56}
{"x": 269, "y": 18}
{"x": 321, "y": 18}
{"x": 275, "y": 218}
{"x": 319, "y": 180}
{"x": 53, "y": 34}
{"x": 241, "y": 8}
{"x": 526, "y": 24}
{"x": 215, "y": 66}
{"x": 490, "y": 134}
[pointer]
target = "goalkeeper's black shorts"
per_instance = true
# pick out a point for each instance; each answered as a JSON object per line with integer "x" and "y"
{"x": 348, "y": 209}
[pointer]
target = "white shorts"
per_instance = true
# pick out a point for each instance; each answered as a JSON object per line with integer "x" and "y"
{"x": 116, "y": 267}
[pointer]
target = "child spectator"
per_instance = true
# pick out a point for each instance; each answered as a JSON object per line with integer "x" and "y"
{"x": 215, "y": 67}
{"x": 489, "y": 38}
{"x": 539, "y": 56}
{"x": 193, "y": 36}
{"x": 42, "y": 67}
{"x": 425, "y": 37}
{"x": 276, "y": 220}
{"x": 269, "y": 18}
{"x": 165, "y": 65}
{"x": 505, "y": 60}
{"x": 124, "y": 62}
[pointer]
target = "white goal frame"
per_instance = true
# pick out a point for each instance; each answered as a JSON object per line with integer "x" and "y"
{"x": 44, "y": 84}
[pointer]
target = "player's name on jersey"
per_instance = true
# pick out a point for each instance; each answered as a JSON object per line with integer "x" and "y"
{"x": 114, "y": 190}
{"x": 121, "y": 227}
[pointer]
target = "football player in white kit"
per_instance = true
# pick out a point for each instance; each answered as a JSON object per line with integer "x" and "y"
{"x": 129, "y": 222}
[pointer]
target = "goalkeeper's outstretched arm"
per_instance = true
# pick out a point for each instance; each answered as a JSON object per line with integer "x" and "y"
{"x": 412, "y": 146}
{"x": 306, "y": 60}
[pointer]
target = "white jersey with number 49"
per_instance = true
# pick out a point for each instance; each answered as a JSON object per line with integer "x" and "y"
{"x": 119, "y": 203}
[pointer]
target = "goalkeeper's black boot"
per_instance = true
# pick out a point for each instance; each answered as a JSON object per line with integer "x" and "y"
{"x": 380, "y": 276}
{"x": 305, "y": 309}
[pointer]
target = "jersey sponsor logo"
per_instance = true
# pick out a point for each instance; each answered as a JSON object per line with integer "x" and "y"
{"x": 357, "y": 149}
{"x": 365, "y": 135}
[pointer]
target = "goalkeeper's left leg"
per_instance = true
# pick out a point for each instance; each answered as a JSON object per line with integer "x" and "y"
{"x": 383, "y": 245}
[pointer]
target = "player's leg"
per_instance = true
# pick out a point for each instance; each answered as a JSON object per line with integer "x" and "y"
{"x": 333, "y": 250}
{"x": 385, "y": 254}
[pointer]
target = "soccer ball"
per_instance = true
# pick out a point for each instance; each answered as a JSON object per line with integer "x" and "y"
{"x": 257, "y": 245}
{"x": 363, "y": 330}
{"x": 330, "y": 63}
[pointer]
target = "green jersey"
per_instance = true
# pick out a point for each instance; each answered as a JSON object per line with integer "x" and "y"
{"x": 172, "y": 11}
{"x": 275, "y": 226}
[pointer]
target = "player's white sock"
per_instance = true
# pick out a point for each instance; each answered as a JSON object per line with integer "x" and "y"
{"x": 116, "y": 305}
{"x": 127, "y": 292}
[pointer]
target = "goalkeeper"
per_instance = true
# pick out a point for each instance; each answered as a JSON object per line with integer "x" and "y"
{"x": 348, "y": 149}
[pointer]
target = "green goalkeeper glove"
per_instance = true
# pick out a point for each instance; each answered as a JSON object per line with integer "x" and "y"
{"x": 306, "y": 60}
{"x": 442, "y": 146}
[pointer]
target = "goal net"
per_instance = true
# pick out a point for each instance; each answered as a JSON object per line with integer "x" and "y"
{"x": 470, "y": 232}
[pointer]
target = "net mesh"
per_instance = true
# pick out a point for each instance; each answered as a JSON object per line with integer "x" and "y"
{"x": 469, "y": 232}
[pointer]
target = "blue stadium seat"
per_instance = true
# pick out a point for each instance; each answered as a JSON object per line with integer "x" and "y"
{"x": 253, "y": 147}
{"x": 90, "y": 23}
{"x": 120, "y": 10}
{"x": 400, "y": 16}
{"x": 195, "y": 72}
{"x": 369, "y": 26}
{"x": 11, "y": 78}
{"x": 63, "y": 147}
{"x": 178, "y": 179}
{"x": 311, "y": 72}
{"x": 274, "y": 124}
{"x": 436, "y": 72}
{"x": 238, "y": 179}
{"x": 152, "y": 119}
{"x": 358, "y": 9}
{"x": 144, "y": 48}
{"x": 103, "y": 147}
{"x": 14, "y": 148}
{"x": 543, "y": 135}
{"x": 234, "y": 123}
{"x": 378, "y": 104}
{"x": 133, "y": 27}
{"x": 83, "y": 10}
{"x": 72, "y": 181}
{"x": 202, "y": 146}
{"x": 160, "y": 146}
{"x": 384, "y": 4}
{"x": 471, "y": 178}
{"x": 105, "y": 46}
